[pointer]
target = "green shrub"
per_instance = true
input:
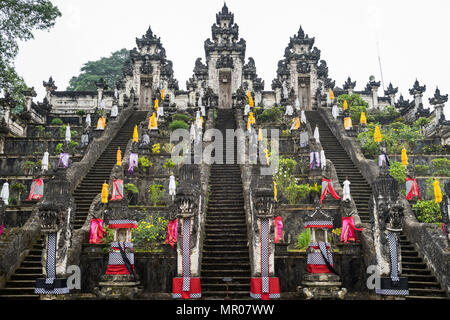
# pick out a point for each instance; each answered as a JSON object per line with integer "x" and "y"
{"x": 273, "y": 114}
{"x": 150, "y": 232}
{"x": 28, "y": 165}
{"x": 73, "y": 145}
{"x": 427, "y": 211}
{"x": 130, "y": 187}
{"x": 81, "y": 112}
{"x": 58, "y": 147}
{"x": 156, "y": 192}
{"x": 144, "y": 163}
{"x": 107, "y": 238}
{"x": 56, "y": 121}
{"x": 398, "y": 172}
{"x": 422, "y": 170}
{"x": 178, "y": 124}
{"x": 168, "y": 164}
{"x": 295, "y": 193}
{"x": 180, "y": 116}
{"x": 284, "y": 176}
{"x": 303, "y": 239}
{"x": 440, "y": 167}
{"x": 40, "y": 130}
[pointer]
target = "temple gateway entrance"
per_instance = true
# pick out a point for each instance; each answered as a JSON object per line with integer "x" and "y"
{"x": 304, "y": 96}
{"x": 225, "y": 90}
{"x": 145, "y": 99}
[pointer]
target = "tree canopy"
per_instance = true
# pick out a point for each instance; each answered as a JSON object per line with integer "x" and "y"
{"x": 110, "y": 69}
{"x": 18, "y": 18}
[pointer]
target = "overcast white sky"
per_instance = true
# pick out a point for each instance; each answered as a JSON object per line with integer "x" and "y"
{"x": 412, "y": 36}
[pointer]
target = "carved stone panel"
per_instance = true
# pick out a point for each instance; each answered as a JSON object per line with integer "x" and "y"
{"x": 145, "y": 98}
{"x": 225, "y": 98}
{"x": 304, "y": 93}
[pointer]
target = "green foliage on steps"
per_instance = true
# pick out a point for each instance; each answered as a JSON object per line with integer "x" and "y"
{"x": 427, "y": 211}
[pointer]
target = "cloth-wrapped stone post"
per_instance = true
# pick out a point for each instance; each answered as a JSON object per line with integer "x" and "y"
{"x": 133, "y": 162}
{"x": 314, "y": 157}
{"x": 335, "y": 111}
{"x": 172, "y": 186}
{"x": 63, "y": 161}
{"x": 88, "y": 120}
{"x": 320, "y": 258}
{"x": 327, "y": 188}
{"x": 84, "y": 140}
{"x": 289, "y": 111}
{"x": 350, "y": 221}
{"x": 412, "y": 189}
{"x": 117, "y": 190}
{"x": 153, "y": 122}
{"x": 37, "y": 190}
{"x": 304, "y": 138}
{"x": 101, "y": 123}
{"x": 5, "y": 192}
{"x": 68, "y": 134}
{"x": 45, "y": 161}
{"x": 96, "y": 231}
{"x": 303, "y": 117}
{"x": 172, "y": 232}
{"x": 114, "y": 111}
{"x": 121, "y": 254}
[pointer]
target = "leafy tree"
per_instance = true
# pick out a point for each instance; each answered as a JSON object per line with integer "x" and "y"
{"x": 110, "y": 69}
{"x": 18, "y": 18}
{"x": 356, "y": 105}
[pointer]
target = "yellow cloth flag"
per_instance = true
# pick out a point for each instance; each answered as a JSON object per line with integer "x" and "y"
{"x": 331, "y": 94}
{"x": 377, "y": 134}
{"x": 105, "y": 193}
{"x": 345, "y": 105}
{"x": 249, "y": 123}
{"x": 404, "y": 157}
{"x": 135, "y": 134}
{"x": 101, "y": 123}
{"x": 251, "y": 117}
{"x": 153, "y": 122}
{"x": 275, "y": 192}
{"x": 156, "y": 104}
{"x": 348, "y": 123}
{"x": 162, "y": 94}
{"x": 250, "y": 99}
{"x": 260, "y": 134}
{"x": 296, "y": 122}
{"x": 362, "y": 119}
{"x": 119, "y": 157}
{"x": 437, "y": 191}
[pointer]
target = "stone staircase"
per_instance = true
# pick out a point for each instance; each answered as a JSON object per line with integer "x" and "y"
{"x": 422, "y": 283}
{"x": 92, "y": 183}
{"x": 225, "y": 250}
{"x": 359, "y": 187}
{"x": 21, "y": 284}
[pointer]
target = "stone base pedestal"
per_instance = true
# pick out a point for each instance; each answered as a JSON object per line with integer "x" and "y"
{"x": 322, "y": 286}
{"x": 118, "y": 287}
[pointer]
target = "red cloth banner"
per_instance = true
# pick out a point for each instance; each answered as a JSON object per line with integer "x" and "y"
{"x": 256, "y": 289}
{"x": 195, "y": 290}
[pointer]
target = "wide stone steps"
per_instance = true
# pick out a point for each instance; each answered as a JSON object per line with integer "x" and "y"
{"x": 422, "y": 284}
{"x": 359, "y": 188}
{"x": 101, "y": 170}
{"x": 21, "y": 284}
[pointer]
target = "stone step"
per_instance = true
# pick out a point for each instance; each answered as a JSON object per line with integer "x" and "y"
{"x": 226, "y": 254}
{"x": 415, "y": 271}
{"x": 20, "y": 283}
{"x": 426, "y": 292}
{"x": 209, "y": 287}
{"x": 219, "y": 280}
{"x": 225, "y": 273}
{"x": 20, "y": 297}
{"x": 423, "y": 284}
{"x": 425, "y": 298}
{"x": 220, "y": 295}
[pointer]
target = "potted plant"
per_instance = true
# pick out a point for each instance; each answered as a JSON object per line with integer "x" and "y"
{"x": 19, "y": 189}
{"x": 156, "y": 192}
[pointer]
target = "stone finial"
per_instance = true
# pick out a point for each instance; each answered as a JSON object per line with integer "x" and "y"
{"x": 391, "y": 90}
{"x": 417, "y": 89}
{"x": 49, "y": 85}
{"x": 349, "y": 85}
{"x": 438, "y": 99}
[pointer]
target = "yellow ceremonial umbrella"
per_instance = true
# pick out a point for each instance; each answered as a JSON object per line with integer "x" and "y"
{"x": 275, "y": 192}
{"x": 348, "y": 122}
{"x": 296, "y": 123}
{"x": 437, "y": 191}
{"x": 251, "y": 117}
{"x": 404, "y": 157}
{"x": 345, "y": 105}
{"x": 156, "y": 104}
{"x": 250, "y": 99}
{"x": 105, "y": 193}
{"x": 331, "y": 94}
{"x": 162, "y": 94}
{"x": 260, "y": 134}
{"x": 119, "y": 157}
{"x": 153, "y": 122}
{"x": 101, "y": 123}
{"x": 377, "y": 134}
{"x": 135, "y": 134}
{"x": 362, "y": 119}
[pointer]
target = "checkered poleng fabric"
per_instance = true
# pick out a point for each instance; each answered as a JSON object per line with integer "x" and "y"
{"x": 392, "y": 239}
{"x": 51, "y": 268}
{"x": 186, "y": 253}
{"x": 265, "y": 255}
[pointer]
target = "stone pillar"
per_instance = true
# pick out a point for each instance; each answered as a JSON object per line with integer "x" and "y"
{"x": 264, "y": 285}
{"x": 438, "y": 101}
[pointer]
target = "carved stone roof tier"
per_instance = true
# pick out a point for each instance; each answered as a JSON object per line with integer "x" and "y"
{"x": 417, "y": 88}
{"x": 330, "y": 83}
{"x": 372, "y": 84}
{"x": 225, "y": 35}
{"x": 276, "y": 84}
{"x": 127, "y": 69}
{"x": 224, "y": 61}
{"x": 301, "y": 38}
{"x": 258, "y": 84}
{"x": 249, "y": 69}
{"x": 390, "y": 90}
{"x": 303, "y": 67}
{"x": 200, "y": 69}
{"x": 167, "y": 69}
{"x": 322, "y": 70}
{"x": 349, "y": 84}
{"x": 148, "y": 39}
{"x": 438, "y": 98}
{"x": 402, "y": 103}
{"x": 50, "y": 85}
{"x": 385, "y": 185}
